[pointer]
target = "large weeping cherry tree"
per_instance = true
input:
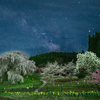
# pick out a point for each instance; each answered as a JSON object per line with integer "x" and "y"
{"x": 15, "y": 64}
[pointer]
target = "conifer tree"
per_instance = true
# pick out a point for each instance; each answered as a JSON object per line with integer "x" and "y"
{"x": 93, "y": 43}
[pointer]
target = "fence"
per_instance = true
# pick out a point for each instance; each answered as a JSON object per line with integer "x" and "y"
{"x": 44, "y": 89}
{"x": 15, "y": 90}
{"x": 47, "y": 89}
{"x": 19, "y": 90}
{"x": 67, "y": 89}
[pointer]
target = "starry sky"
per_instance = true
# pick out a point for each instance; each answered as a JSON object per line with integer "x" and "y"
{"x": 43, "y": 26}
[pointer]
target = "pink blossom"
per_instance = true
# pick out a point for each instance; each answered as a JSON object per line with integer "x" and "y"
{"x": 98, "y": 71}
{"x": 96, "y": 77}
{"x": 40, "y": 69}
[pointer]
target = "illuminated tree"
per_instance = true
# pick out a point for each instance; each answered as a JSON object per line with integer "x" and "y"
{"x": 87, "y": 62}
{"x": 53, "y": 71}
{"x": 96, "y": 78}
{"x": 15, "y": 64}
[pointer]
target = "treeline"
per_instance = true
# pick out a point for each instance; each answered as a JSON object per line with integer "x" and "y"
{"x": 94, "y": 43}
{"x": 60, "y": 57}
{"x": 63, "y": 57}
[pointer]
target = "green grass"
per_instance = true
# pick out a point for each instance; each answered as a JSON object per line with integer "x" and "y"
{"x": 31, "y": 80}
{"x": 34, "y": 80}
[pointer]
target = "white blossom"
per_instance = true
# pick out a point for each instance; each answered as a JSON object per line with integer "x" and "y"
{"x": 51, "y": 69}
{"x": 16, "y": 64}
{"x": 87, "y": 61}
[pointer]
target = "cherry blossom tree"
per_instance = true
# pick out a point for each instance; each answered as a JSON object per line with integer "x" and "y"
{"x": 53, "y": 71}
{"x": 96, "y": 78}
{"x": 87, "y": 62}
{"x": 15, "y": 64}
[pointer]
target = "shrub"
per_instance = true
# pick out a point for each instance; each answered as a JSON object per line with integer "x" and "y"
{"x": 39, "y": 70}
{"x": 81, "y": 75}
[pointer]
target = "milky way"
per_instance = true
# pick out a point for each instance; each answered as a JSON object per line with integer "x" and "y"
{"x": 41, "y": 26}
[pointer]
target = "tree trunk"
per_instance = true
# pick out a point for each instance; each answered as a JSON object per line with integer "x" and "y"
{"x": 0, "y": 80}
{"x": 44, "y": 83}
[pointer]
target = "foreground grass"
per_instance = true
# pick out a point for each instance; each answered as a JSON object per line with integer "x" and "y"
{"x": 53, "y": 95}
{"x": 34, "y": 80}
{"x": 29, "y": 80}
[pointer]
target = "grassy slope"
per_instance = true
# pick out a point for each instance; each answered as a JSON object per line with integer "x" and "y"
{"x": 34, "y": 81}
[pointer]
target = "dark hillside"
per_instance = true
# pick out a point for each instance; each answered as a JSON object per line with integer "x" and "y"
{"x": 60, "y": 57}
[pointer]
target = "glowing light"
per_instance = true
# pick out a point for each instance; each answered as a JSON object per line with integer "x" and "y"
{"x": 89, "y": 30}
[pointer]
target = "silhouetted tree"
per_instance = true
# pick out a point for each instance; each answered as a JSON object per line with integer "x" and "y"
{"x": 93, "y": 43}
{"x": 82, "y": 51}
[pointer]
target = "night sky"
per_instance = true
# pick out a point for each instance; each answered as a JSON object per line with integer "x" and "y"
{"x": 43, "y": 26}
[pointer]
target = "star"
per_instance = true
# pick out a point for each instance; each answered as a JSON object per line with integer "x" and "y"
{"x": 29, "y": 27}
{"x": 89, "y": 30}
{"x": 78, "y": 2}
